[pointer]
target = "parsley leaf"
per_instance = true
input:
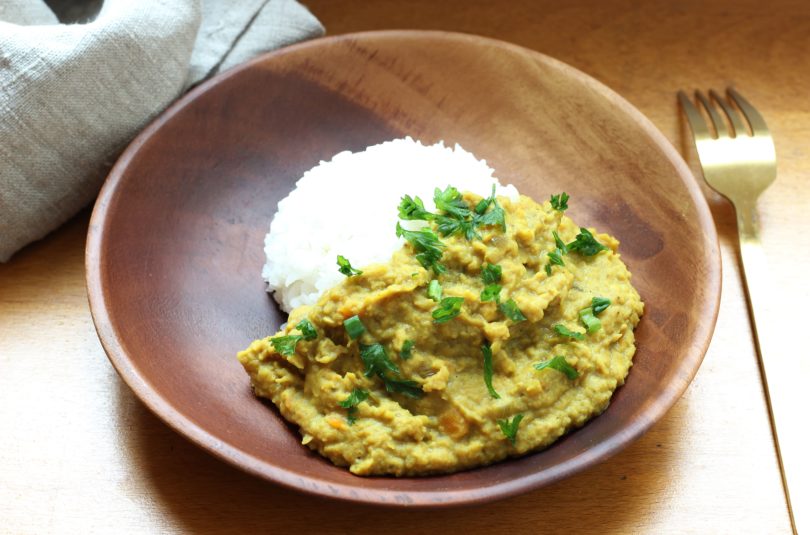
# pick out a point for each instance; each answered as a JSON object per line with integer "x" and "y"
{"x": 591, "y": 322}
{"x": 585, "y": 244}
{"x": 427, "y": 245}
{"x": 450, "y": 202}
{"x": 555, "y": 257}
{"x": 354, "y": 327}
{"x": 413, "y": 209}
{"x": 599, "y": 304}
{"x": 483, "y": 204}
{"x": 448, "y": 308}
{"x": 491, "y": 292}
{"x": 406, "y": 350}
{"x": 559, "y": 243}
{"x": 487, "y": 351}
{"x": 345, "y": 267}
{"x": 434, "y": 290}
{"x": 285, "y": 345}
{"x": 560, "y": 364}
{"x": 560, "y": 202}
{"x": 357, "y": 396}
{"x": 377, "y": 363}
{"x": 457, "y": 214}
{"x": 491, "y": 273}
{"x": 448, "y": 225}
{"x": 510, "y": 428}
{"x": 495, "y": 217}
{"x": 459, "y": 218}
{"x": 565, "y": 331}
{"x": 511, "y": 311}
{"x": 403, "y": 386}
{"x": 307, "y": 329}
{"x": 376, "y": 360}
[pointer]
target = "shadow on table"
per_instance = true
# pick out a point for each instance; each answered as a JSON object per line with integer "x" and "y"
{"x": 198, "y": 493}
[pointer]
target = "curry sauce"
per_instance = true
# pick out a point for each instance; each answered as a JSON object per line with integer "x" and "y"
{"x": 429, "y": 404}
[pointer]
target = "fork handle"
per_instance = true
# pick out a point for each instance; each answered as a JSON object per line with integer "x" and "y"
{"x": 786, "y": 379}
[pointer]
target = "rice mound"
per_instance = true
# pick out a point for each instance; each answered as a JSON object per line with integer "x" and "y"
{"x": 348, "y": 206}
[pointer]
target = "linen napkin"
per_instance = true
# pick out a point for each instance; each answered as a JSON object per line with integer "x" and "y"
{"x": 73, "y": 95}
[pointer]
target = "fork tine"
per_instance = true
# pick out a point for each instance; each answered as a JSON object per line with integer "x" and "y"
{"x": 733, "y": 116}
{"x": 696, "y": 122}
{"x": 758, "y": 126}
{"x": 719, "y": 125}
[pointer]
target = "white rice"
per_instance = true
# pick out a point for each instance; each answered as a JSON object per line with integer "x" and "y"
{"x": 348, "y": 207}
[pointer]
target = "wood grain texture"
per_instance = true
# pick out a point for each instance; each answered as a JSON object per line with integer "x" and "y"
{"x": 78, "y": 453}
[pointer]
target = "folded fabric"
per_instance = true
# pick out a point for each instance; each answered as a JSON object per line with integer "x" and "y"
{"x": 72, "y": 96}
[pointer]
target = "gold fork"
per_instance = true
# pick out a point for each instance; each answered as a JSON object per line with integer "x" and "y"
{"x": 739, "y": 162}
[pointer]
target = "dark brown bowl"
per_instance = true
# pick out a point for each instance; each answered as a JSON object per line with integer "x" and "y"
{"x": 175, "y": 247}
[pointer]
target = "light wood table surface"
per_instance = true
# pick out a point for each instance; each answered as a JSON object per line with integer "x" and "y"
{"x": 80, "y": 454}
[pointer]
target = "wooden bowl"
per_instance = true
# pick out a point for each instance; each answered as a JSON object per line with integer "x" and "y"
{"x": 175, "y": 246}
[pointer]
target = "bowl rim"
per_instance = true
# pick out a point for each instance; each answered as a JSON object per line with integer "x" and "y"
{"x": 428, "y": 498}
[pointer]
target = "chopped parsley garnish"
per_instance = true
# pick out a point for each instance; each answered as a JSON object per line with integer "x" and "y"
{"x": 307, "y": 329}
{"x": 406, "y": 350}
{"x": 585, "y": 244}
{"x": 403, "y": 386}
{"x": 354, "y": 327}
{"x": 345, "y": 267}
{"x": 561, "y": 365}
{"x": 447, "y": 226}
{"x": 376, "y": 361}
{"x": 413, "y": 209}
{"x": 591, "y": 322}
{"x": 559, "y": 243}
{"x": 560, "y": 202}
{"x": 450, "y": 202}
{"x": 555, "y": 258}
{"x": 454, "y": 217}
{"x": 285, "y": 345}
{"x": 457, "y": 217}
{"x": 565, "y": 331}
{"x": 511, "y": 311}
{"x": 496, "y": 216}
{"x": 483, "y": 204}
{"x": 509, "y": 428}
{"x": 491, "y": 273}
{"x": 427, "y": 245}
{"x": 358, "y": 395}
{"x": 434, "y": 290}
{"x": 599, "y": 304}
{"x": 491, "y": 292}
{"x": 448, "y": 308}
{"x": 487, "y": 351}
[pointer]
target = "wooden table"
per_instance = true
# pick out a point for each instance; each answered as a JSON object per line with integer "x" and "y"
{"x": 79, "y": 453}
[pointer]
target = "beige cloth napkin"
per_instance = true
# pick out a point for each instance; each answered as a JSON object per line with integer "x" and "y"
{"x": 72, "y": 96}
